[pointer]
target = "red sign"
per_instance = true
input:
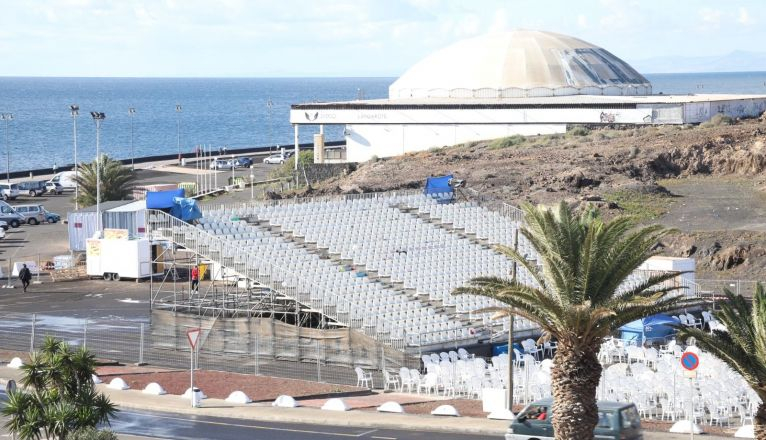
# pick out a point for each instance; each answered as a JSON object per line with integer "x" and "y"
{"x": 690, "y": 361}
{"x": 193, "y": 336}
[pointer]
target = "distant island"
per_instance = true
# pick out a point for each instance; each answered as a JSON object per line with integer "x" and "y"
{"x": 737, "y": 61}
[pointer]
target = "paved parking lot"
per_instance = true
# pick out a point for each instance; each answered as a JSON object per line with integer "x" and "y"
{"x": 30, "y": 242}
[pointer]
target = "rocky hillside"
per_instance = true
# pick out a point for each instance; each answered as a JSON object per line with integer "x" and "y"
{"x": 622, "y": 170}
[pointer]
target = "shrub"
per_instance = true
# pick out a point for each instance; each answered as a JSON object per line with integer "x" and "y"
{"x": 578, "y": 130}
{"x": 717, "y": 121}
{"x": 92, "y": 434}
{"x": 506, "y": 142}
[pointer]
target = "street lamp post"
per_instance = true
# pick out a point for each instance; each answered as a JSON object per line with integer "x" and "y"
{"x": 131, "y": 112}
{"x": 7, "y": 117}
{"x": 74, "y": 109}
{"x": 98, "y": 117}
{"x": 178, "y": 124}
{"x": 269, "y": 105}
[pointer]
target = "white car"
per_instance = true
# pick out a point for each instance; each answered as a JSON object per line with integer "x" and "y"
{"x": 221, "y": 164}
{"x": 277, "y": 158}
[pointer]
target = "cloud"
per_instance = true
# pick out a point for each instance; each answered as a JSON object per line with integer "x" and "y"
{"x": 582, "y": 21}
{"x": 499, "y": 21}
{"x": 710, "y": 16}
{"x": 744, "y": 17}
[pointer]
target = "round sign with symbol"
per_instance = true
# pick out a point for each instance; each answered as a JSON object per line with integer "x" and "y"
{"x": 690, "y": 361}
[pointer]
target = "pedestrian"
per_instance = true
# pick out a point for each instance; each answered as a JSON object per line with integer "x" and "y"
{"x": 25, "y": 276}
{"x": 195, "y": 278}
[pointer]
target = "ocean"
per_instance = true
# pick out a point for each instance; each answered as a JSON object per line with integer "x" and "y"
{"x": 232, "y": 112}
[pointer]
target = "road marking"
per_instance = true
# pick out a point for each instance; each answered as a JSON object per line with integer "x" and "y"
{"x": 383, "y": 438}
{"x": 301, "y": 431}
{"x": 367, "y": 432}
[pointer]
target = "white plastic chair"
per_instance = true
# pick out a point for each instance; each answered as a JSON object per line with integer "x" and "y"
{"x": 362, "y": 378}
{"x": 391, "y": 379}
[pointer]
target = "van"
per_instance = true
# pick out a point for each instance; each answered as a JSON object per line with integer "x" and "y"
{"x": 9, "y": 191}
{"x": 34, "y": 214}
{"x": 32, "y": 187}
{"x": 10, "y": 216}
{"x": 616, "y": 420}
{"x": 65, "y": 179}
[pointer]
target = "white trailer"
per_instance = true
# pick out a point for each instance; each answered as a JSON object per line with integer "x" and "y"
{"x": 114, "y": 259}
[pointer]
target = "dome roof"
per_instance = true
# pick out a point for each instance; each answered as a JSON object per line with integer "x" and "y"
{"x": 519, "y": 63}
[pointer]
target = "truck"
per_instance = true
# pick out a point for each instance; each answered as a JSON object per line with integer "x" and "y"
{"x": 65, "y": 179}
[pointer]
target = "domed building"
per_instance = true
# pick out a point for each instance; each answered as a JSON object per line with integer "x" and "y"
{"x": 519, "y": 64}
{"x": 521, "y": 82}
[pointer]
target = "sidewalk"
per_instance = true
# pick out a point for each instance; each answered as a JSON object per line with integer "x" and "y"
{"x": 135, "y": 399}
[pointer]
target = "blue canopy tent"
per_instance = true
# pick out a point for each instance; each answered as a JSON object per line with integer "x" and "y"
{"x": 162, "y": 199}
{"x": 648, "y": 329}
{"x": 439, "y": 188}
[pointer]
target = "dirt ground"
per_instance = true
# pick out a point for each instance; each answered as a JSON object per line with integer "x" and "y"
{"x": 707, "y": 181}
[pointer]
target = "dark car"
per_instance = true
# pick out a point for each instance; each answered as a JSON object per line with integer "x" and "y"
{"x": 243, "y": 162}
{"x": 32, "y": 188}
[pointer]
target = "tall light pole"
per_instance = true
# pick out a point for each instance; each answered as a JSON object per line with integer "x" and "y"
{"x": 7, "y": 117}
{"x": 131, "y": 112}
{"x": 178, "y": 121}
{"x": 269, "y": 105}
{"x": 74, "y": 109}
{"x": 98, "y": 117}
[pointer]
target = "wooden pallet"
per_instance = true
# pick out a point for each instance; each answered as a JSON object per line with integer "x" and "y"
{"x": 75, "y": 273}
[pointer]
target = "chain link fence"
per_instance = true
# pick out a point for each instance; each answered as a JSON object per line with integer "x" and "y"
{"x": 131, "y": 342}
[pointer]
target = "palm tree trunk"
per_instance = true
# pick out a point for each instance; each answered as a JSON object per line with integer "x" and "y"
{"x": 760, "y": 422}
{"x": 574, "y": 379}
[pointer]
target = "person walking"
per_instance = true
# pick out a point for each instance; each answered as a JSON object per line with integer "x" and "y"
{"x": 25, "y": 275}
{"x": 195, "y": 278}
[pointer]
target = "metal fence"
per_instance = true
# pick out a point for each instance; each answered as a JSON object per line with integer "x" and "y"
{"x": 132, "y": 342}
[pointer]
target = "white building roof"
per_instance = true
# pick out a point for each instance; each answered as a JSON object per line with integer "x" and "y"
{"x": 521, "y": 63}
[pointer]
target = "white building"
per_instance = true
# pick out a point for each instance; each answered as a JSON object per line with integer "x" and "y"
{"x": 497, "y": 85}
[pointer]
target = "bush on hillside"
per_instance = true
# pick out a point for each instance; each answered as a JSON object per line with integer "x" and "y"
{"x": 578, "y": 130}
{"x": 510, "y": 141}
{"x": 717, "y": 121}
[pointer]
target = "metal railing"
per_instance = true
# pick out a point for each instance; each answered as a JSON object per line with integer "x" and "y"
{"x": 282, "y": 281}
{"x": 134, "y": 342}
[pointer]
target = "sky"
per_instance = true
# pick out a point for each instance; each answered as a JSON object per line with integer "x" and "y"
{"x": 309, "y": 38}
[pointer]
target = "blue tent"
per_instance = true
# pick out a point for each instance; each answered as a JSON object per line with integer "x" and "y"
{"x": 162, "y": 199}
{"x": 185, "y": 209}
{"x": 439, "y": 188}
{"x": 649, "y": 328}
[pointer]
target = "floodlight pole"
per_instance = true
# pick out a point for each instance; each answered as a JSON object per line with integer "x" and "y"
{"x": 178, "y": 124}
{"x": 98, "y": 117}
{"x": 74, "y": 109}
{"x": 510, "y": 328}
{"x": 269, "y": 105}
{"x": 7, "y": 117}
{"x": 131, "y": 113}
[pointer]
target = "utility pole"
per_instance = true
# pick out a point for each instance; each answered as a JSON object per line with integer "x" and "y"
{"x": 7, "y": 117}
{"x": 510, "y": 328}
{"x": 74, "y": 109}
{"x": 131, "y": 113}
{"x": 98, "y": 117}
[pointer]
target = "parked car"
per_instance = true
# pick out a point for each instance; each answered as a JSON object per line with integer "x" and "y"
{"x": 4, "y": 225}
{"x": 243, "y": 162}
{"x": 616, "y": 420}
{"x": 10, "y": 216}
{"x": 34, "y": 214}
{"x": 9, "y": 191}
{"x": 54, "y": 187}
{"x": 51, "y": 217}
{"x": 277, "y": 158}
{"x": 221, "y": 164}
{"x": 33, "y": 187}
{"x": 65, "y": 179}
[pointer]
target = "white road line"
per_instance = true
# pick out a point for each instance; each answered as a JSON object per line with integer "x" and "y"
{"x": 302, "y": 431}
{"x": 383, "y": 438}
{"x": 367, "y": 432}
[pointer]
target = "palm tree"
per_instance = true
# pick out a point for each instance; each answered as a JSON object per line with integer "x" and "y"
{"x": 742, "y": 346}
{"x": 579, "y": 298}
{"x": 58, "y": 396}
{"x": 116, "y": 181}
